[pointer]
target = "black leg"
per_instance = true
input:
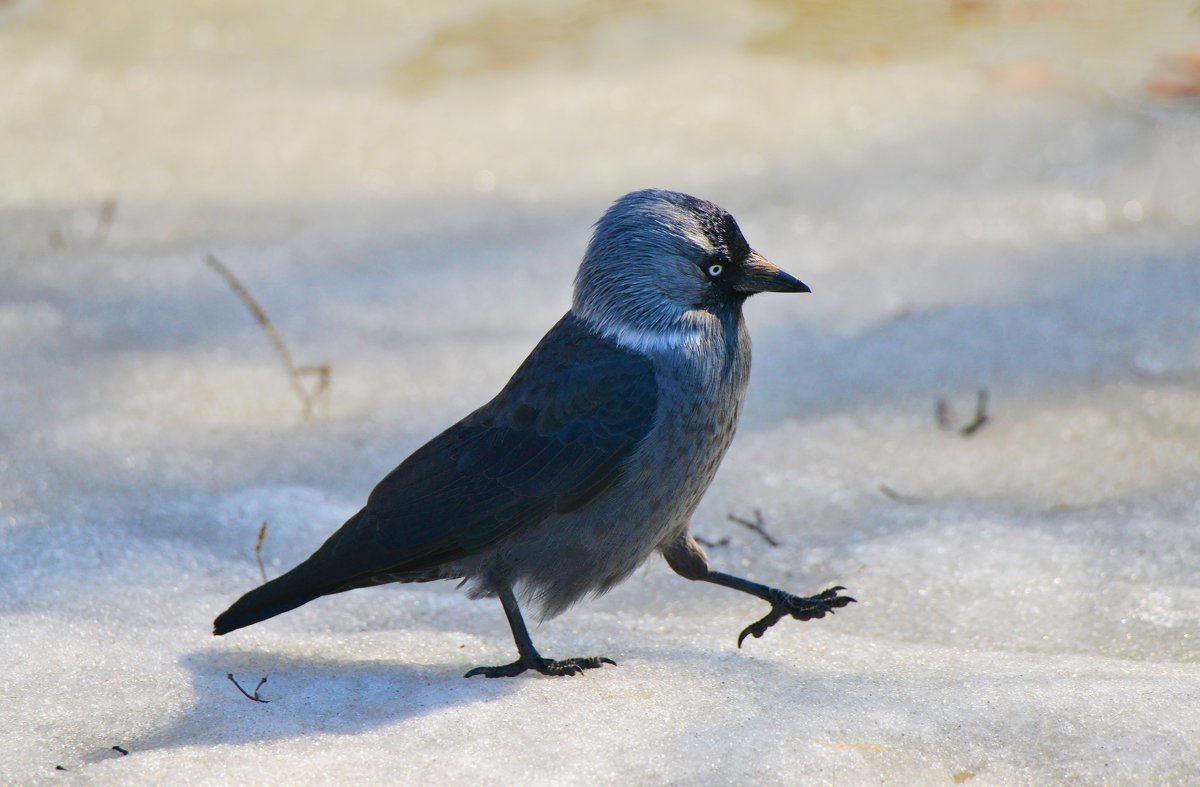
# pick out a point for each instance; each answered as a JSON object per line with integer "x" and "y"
{"x": 688, "y": 560}
{"x": 529, "y": 657}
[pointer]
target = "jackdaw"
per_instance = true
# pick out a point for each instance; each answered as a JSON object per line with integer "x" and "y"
{"x": 593, "y": 456}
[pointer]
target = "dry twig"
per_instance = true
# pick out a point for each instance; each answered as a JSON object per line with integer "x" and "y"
{"x": 320, "y": 392}
{"x": 262, "y": 535}
{"x": 295, "y": 373}
{"x": 943, "y": 415}
{"x": 899, "y": 497}
{"x": 104, "y": 222}
{"x": 245, "y": 693}
{"x": 981, "y": 415}
{"x": 704, "y": 542}
{"x": 758, "y": 526}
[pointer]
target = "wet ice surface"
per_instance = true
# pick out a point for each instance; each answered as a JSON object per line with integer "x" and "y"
{"x": 409, "y": 206}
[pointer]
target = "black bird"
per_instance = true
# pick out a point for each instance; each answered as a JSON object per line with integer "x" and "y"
{"x": 593, "y": 456}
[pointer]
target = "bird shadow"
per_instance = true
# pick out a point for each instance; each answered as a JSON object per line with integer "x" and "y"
{"x": 307, "y": 696}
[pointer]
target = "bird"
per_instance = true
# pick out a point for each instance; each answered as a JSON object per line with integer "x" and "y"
{"x": 595, "y": 454}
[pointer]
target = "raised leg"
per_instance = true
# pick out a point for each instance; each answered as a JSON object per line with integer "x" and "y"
{"x": 688, "y": 560}
{"x": 529, "y": 657}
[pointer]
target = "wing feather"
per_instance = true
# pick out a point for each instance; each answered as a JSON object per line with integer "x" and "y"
{"x": 557, "y": 436}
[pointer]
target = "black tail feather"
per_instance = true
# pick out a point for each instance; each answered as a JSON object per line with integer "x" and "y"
{"x": 318, "y": 576}
{"x": 266, "y": 601}
{"x": 348, "y": 559}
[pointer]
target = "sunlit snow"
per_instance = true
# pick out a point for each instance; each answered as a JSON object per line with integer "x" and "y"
{"x": 981, "y": 195}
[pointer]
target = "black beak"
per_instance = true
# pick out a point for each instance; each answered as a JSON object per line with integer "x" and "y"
{"x": 758, "y": 274}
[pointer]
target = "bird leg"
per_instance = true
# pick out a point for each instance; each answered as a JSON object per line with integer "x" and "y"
{"x": 688, "y": 560}
{"x": 782, "y": 602}
{"x": 529, "y": 657}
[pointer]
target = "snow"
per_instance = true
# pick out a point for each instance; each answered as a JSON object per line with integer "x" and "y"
{"x": 980, "y": 199}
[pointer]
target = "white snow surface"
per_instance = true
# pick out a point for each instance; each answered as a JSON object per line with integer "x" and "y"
{"x": 981, "y": 198}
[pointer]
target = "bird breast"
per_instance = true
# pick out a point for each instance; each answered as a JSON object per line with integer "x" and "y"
{"x": 591, "y": 549}
{"x": 700, "y": 402}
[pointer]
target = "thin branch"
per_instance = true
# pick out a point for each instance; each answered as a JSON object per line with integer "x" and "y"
{"x": 941, "y": 413}
{"x": 899, "y": 497}
{"x": 758, "y": 526}
{"x": 262, "y": 535}
{"x": 281, "y": 348}
{"x": 704, "y": 542}
{"x": 254, "y": 697}
{"x": 320, "y": 392}
{"x": 104, "y": 222}
{"x": 981, "y": 415}
{"x": 944, "y": 415}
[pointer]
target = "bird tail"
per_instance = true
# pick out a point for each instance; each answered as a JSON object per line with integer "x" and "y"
{"x": 310, "y": 580}
{"x": 265, "y": 601}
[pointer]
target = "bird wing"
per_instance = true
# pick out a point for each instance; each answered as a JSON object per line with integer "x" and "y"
{"x": 550, "y": 442}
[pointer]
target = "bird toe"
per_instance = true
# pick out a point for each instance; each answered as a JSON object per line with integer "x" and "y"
{"x": 503, "y": 671}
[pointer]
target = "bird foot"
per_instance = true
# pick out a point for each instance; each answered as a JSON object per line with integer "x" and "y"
{"x": 574, "y": 666}
{"x": 799, "y": 607}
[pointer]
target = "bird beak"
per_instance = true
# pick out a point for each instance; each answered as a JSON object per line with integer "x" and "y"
{"x": 758, "y": 274}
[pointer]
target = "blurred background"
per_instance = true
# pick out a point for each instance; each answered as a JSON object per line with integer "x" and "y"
{"x": 997, "y": 196}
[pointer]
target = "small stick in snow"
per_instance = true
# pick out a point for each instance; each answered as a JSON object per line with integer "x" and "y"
{"x": 943, "y": 413}
{"x": 123, "y": 752}
{"x": 981, "y": 415}
{"x": 758, "y": 526}
{"x": 104, "y": 222}
{"x": 295, "y": 373}
{"x": 262, "y": 535}
{"x": 245, "y": 693}
{"x": 704, "y": 542}
{"x": 320, "y": 392}
{"x": 899, "y": 497}
{"x": 108, "y": 212}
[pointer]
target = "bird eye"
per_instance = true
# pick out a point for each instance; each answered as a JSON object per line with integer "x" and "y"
{"x": 715, "y": 270}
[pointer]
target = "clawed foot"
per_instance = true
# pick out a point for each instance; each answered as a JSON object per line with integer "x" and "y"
{"x": 574, "y": 666}
{"x": 799, "y": 607}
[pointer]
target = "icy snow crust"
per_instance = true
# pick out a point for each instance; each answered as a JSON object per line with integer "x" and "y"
{"x": 408, "y": 199}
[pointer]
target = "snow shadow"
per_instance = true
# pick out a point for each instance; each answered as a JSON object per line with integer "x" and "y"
{"x": 310, "y": 696}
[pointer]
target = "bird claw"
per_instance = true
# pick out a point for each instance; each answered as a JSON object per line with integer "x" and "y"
{"x": 799, "y": 607}
{"x": 573, "y": 666}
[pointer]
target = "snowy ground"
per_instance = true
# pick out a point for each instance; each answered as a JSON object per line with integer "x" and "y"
{"x": 995, "y": 197}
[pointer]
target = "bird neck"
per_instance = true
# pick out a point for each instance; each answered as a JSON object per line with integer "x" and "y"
{"x": 688, "y": 330}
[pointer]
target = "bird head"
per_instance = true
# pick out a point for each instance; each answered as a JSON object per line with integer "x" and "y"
{"x": 662, "y": 263}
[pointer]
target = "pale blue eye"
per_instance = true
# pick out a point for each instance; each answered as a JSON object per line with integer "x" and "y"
{"x": 715, "y": 270}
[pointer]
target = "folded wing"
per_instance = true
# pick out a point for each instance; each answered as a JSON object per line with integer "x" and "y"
{"x": 556, "y": 437}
